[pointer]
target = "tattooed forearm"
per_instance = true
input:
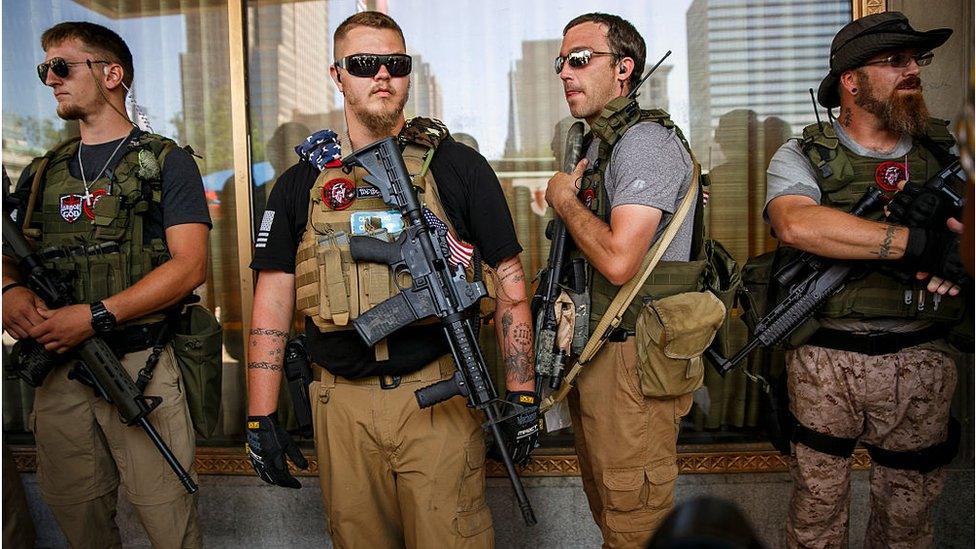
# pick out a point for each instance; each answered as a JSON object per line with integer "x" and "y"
{"x": 518, "y": 350}
{"x": 276, "y": 334}
{"x": 264, "y": 366}
{"x": 885, "y": 250}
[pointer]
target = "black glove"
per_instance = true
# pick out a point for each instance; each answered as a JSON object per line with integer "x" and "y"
{"x": 267, "y": 445}
{"x": 935, "y": 252}
{"x": 917, "y": 206}
{"x": 521, "y": 432}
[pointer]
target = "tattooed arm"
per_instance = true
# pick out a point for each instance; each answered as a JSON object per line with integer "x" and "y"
{"x": 274, "y": 304}
{"x": 513, "y": 326}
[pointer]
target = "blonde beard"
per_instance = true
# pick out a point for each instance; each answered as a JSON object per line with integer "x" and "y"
{"x": 380, "y": 123}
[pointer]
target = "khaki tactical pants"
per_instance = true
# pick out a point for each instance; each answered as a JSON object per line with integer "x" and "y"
{"x": 83, "y": 450}
{"x": 627, "y": 446}
{"x": 18, "y": 527}
{"x": 897, "y": 402}
{"x": 393, "y": 475}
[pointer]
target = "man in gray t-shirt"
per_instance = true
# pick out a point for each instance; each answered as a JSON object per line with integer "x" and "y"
{"x": 626, "y": 441}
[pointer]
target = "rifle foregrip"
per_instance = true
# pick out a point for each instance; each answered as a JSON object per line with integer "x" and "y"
{"x": 114, "y": 381}
{"x": 367, "y": 248}
{"x": 440, "y": 391}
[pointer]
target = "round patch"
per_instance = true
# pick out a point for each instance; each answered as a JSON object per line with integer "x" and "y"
{"x": 587, "y": 196}
{"x": 88, "y": 205}
{"x": 889, "y": 173}
{"x": 338, "y": 194}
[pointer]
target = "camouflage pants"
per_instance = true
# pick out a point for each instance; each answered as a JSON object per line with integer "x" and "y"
{"x": 897, "y": 402}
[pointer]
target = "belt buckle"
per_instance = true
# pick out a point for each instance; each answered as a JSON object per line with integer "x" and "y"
{"x": 389, "y": 382}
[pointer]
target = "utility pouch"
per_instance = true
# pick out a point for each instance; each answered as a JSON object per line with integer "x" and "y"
{"x": 672, "y": 333}
{"x": 197, "y": 346}
{"x": 298, "y": 373}
{"x": 723, "y": 278}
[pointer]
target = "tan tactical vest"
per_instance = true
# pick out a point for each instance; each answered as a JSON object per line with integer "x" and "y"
{"x": 331, "y": 288}
{"x": 844, "y": 177}
{"x": 668, "y": 277}
{"x": 97, "y": 244}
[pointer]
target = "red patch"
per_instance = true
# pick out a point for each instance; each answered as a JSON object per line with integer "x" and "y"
{"x": 889, "y": 173}
{"x": 337, "y": 163}
{"x": 70, "y": 207}
{"x": 338, "y": 194}
{"x": 88, "y": 206}
{"x": 587, "y": 196}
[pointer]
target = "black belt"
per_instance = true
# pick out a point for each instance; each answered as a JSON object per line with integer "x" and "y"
{"x": 874, "y": 344}
{"x": 135, "y": 338}
{"x": 620, "y": 334}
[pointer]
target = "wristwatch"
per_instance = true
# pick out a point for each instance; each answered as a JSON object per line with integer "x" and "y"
{"x": 103, "y": 321}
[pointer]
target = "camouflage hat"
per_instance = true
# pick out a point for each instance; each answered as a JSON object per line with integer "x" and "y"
{"x": 868, "y": 36}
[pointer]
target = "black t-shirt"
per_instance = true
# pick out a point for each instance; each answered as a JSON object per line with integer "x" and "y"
{"x": 183, "y": 199}
{"x": 475, "y": 204}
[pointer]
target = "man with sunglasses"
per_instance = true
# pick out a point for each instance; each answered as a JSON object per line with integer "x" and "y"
{"x": 136, "y": 198}
{"x": 616, "y": 204}
{"x": 878, "y": 369}
{"x": 391, "y": 474}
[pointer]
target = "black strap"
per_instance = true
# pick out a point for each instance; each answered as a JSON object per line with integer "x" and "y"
{"x": 924, "y": 460}
{"x": 873, "y": 344}
{"x": 163, "y": 335}
{"x": 823, "y": 443}
{"x": 943, "y": 156}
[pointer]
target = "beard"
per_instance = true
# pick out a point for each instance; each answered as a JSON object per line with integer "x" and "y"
{"x": 381, "y": 119}
{"x": 67, "y": 111}
{"x": 902, "y": 113}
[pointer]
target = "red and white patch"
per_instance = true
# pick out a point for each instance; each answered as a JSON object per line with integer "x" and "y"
{"x": 338, "y": 194}
{"x": 88, "y": 205}
{"x": 889, "y": 173}
{"x": 587, "y": 196}
{"x": 70, "y": 207}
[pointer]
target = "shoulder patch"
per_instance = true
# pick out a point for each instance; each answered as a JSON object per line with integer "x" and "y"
{"x": 429, "y": 132}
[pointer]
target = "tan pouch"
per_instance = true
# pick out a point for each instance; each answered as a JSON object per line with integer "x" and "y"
{"x": 672, "y": 334}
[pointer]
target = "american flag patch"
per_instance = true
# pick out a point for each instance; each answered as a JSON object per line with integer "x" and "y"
{"x": 459, "y": 251}
{"x": 265, "y": 229}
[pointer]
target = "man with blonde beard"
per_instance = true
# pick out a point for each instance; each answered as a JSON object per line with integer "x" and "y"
{"x": 392, "y": 475}
{"x": 877, "y": 370}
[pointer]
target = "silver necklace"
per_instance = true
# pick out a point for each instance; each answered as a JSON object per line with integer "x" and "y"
{"x": 84, "y": 180}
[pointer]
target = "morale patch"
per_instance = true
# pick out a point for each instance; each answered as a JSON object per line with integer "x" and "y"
{"x": 889, "y": 173}
{"x": 587, "y": 196}
{"x": 88, "y": 204}
{"x": 363, "y": 222}
{"x": 148, "y": 166}
{"x": 338, "y": 194}
{"x": 70, "y": 207}
{"x": 368, "y": 191}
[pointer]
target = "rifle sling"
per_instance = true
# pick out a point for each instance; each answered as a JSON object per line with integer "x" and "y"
{"x": 626, "y": 294}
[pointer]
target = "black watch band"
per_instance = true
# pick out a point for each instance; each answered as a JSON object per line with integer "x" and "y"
{"x": 103, "y": 321}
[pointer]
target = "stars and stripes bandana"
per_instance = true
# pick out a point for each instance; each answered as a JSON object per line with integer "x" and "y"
{"x": 458, "y": 251}
{"x": 322, "y": 149}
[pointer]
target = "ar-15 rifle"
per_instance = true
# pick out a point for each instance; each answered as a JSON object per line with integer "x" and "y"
{"x": 438, "y": 288}
{"x": 97, "y": 364}
{"x": 804, "y": 298}
{"x": 550, "y": 359}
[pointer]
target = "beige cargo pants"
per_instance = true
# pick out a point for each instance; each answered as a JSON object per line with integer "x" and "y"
{"x": 897, "y": 402}
{"x": 83, "y": 450}
{"x": 393, "y": 475}
{"x": 627, "y": 446}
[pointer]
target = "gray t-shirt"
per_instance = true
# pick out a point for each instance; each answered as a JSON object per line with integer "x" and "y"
{"x": 649, "y": 166}
{"x": 791, "y": 173}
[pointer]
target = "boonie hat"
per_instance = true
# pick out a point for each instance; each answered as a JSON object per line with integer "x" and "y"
{"x": 868, "y": 36}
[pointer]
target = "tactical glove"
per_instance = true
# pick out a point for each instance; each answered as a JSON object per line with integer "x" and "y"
{"x": 935, "y": 252}
{"x": 521, "y": 432}
{"x": 267, "y": 445}
{"x": 917, "y": 206}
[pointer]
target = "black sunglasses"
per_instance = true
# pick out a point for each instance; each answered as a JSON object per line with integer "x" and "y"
{"x": 577, "y": 59}
{"x": 366, "y": 65}
{"x": 60, "y": 67}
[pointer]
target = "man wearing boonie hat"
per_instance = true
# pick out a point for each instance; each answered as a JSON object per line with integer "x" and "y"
{"x": 877, "y": 370}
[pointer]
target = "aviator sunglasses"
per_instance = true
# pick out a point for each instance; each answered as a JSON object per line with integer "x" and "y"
{"x": 366, "y": 65}
{"x": 60, "y": 67}
{"x": 902, "y": 59}
{"x": 577, "y": 59}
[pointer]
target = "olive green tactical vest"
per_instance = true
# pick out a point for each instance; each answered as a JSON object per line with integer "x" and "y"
{"x": 668, "y": 277}
{"x": 98, "y": 243}
{"x": 843, "y": 177}
{"x": 330, "y": 288}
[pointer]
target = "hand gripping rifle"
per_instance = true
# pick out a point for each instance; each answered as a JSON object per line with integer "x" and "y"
{"x": 437, "y": 288}
{"x": 98, "y": 365}
{"x": 824, "y": 279}
{"x": 550, "y": 359}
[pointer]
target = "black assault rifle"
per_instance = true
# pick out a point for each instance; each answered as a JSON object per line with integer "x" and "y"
{"x": 550, "y": 361}
{"x": 823, "y": 280}
{"x": 97, "y": 365}
{"x": 437, "y": 288}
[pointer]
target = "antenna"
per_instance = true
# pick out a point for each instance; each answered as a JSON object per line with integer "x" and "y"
{"x": 633, "y": 92}
{"x": 816, "y": 112}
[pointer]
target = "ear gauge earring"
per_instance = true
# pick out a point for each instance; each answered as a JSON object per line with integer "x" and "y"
{"x": 853, "y": 91}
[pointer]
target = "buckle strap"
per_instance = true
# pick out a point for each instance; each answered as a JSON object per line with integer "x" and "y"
{"x": 822, "y": 442}
{"x": 924, "y": 460}
{"x": 873, "y": 344}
